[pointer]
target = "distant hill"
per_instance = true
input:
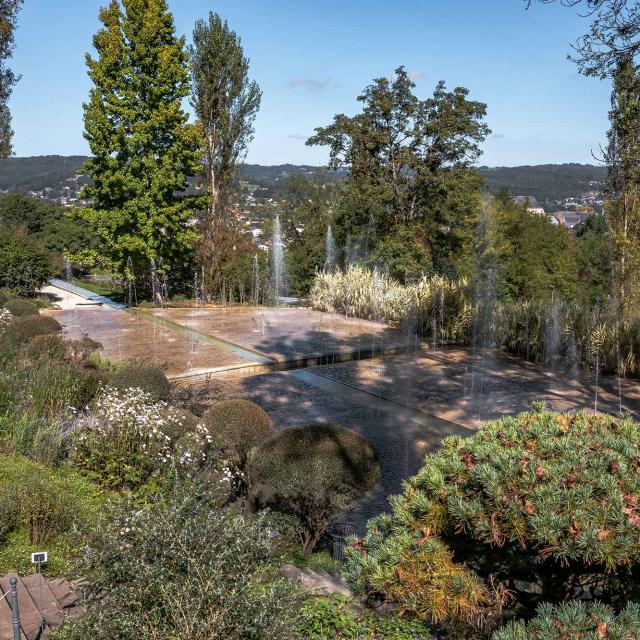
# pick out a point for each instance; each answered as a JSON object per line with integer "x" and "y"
{"x": 548, "y": 183}
{"x": 37, "y": 172}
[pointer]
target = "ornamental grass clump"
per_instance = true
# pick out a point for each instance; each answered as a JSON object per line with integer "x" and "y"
{"x": 129, "y": 439}
{"x": 435, "y": 306}
{"x": 542, "y": 505}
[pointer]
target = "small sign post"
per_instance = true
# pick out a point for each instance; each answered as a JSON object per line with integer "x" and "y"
{"x": 39, "y": 558}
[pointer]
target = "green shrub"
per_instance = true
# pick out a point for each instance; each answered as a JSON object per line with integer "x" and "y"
{"x": 150, "y": 379}
{"x": 576, "y": 620}
{"x": 51, "y": 347}
{"x": 237, "y": 426}
{"x": 314, "y": 472}
{"x": 24, "y": 265}
{"x": 43, "y": 506}
{"x": 541, "y": 502}
{"x": 19, "y": 308}
{"x": 21, "y": 330}
{"x": 185, "y": 570}
{"x": 333, "y": 619}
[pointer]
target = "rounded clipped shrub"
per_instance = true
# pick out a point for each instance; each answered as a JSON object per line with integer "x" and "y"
{"x": 51, "y": 346}
{"x": 236, "y": 426}
{"x": 146, "y": 377}
{"x": 314, "y": 472}
{"x": 19, "y": 308}
{"x": 576, "y": 620}
{"x": 542, "y": 500}
{"x": 22, "y": 330}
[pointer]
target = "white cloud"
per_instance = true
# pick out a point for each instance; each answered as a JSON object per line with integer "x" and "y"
{"x": 310, "y": 83}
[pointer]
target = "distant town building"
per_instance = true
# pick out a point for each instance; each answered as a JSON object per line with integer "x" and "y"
{"x": 573, "y": 220}
{"x": 533, "y": 206}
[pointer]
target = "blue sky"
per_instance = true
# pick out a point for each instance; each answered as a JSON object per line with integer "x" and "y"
{"x": 313, "y": 57}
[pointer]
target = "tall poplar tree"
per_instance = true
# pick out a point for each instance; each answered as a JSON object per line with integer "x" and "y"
{"x": 226, "y": 103}
{"x": 8, "y": 15}
{"x": 623, "y": 205}
{"x": 143, "y": 148}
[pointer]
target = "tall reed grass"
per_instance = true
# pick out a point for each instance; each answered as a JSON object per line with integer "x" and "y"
{"x": 551, "y": 332}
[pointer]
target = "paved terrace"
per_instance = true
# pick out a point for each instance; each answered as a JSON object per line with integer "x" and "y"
{"x": 403, "y": 404}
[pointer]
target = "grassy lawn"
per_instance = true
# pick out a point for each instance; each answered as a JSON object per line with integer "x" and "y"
{"x": 102, "y": 289}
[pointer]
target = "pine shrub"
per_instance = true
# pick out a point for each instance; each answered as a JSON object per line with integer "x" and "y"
{"x": 313, "y": 472}
{"x": 140, "y": 376}
{"x": 576, "y": 620}
{"x": 536, "y": 504}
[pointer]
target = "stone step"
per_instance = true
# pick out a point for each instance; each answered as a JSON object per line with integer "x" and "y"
{"x": 39, "y": 588}
{"x": 30, "y": 619}
{"x": 63, "y": 592}
{"x": 333, "y": 584}
{"x": 58, "y": 600}
{"x": 315, "y": 580}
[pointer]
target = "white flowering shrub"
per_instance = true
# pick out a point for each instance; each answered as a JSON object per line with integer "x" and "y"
{"x": 5, "y": 318}
{"x": 129, "y": 439}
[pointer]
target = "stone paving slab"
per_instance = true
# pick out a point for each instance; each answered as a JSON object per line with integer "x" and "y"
{"x": 469, "y": 387}
{"x": 125, "y": 336}
{"x": 286, "y": 333}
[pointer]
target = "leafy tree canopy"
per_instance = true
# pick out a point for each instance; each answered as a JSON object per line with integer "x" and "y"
{"x": 142, "y": 147}
{"x": 8, "y": 17}
{"x": 408, "y": 163}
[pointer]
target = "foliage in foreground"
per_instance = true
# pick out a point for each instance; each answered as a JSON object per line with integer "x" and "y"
{"x": 331, "y": 618}
{"x": 42, "y": 506}
{"x": 541, "y": 505}
{"x": 313, "y": 472}
{"x": 187, "y": 571}
{"x": 576, "y": 620}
